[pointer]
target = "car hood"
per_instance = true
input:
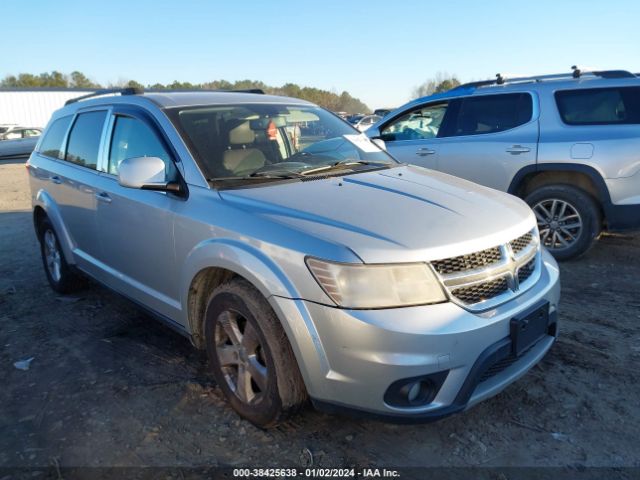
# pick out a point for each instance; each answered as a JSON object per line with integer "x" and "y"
{"x": 402, "y": 214}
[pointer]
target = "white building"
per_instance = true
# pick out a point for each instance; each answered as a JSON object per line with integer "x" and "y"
{"x": 33, "y": 107}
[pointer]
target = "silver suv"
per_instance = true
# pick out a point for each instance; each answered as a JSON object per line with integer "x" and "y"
{"x": 568, "y": 144}
{"x": 309, "y": 267}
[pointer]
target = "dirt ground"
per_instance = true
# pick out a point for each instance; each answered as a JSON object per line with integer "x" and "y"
{"x": 108, "y": 386}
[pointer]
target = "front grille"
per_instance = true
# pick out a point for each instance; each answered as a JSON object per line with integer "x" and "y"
{"x": 482, "y": 291}
{"x": 525, "y": 271}
{"x": 521, "y": 243}
{"x": 481, "y": 280}
{"x": 498, "y": 367}
{"x": 471, "y": 261}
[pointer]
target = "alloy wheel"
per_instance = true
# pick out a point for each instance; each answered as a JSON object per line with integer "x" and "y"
{"x": 559, "y": 223}
{"x": 241, "y": 357}
{"x": 52, "y": 256}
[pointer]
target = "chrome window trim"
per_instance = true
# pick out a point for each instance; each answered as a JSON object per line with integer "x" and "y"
{"x": 105, "y": 143}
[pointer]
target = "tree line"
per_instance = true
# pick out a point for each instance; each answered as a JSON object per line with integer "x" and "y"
{"x": 342, "y": 102}
{"x": 441, "y": 82}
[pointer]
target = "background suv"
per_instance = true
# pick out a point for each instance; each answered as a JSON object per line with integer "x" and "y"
{"x": 569, "y": 144}
{"x": 317, "y": 267}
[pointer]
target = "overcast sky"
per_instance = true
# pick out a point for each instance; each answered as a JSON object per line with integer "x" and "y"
{"x": 377, "y": 50}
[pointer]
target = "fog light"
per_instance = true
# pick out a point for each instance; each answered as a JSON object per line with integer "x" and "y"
{"x": 416, "y": 391}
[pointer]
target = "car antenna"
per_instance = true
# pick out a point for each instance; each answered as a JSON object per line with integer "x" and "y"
{"x": 499, "y": 79}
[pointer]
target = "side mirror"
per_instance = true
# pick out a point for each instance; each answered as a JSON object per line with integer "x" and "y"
{"x": 380, "y": 143}
{"x": 145, "y": 173}
{"x": 373, "y": 132}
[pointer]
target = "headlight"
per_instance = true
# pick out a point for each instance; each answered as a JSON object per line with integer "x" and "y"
{"x": 377, "y": 286}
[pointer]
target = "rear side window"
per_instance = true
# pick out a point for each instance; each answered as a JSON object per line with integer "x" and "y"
{"x": 84, "y": 139}
{"x": 491, "y": 113}
{"x": 599, "y": 106}
{"x": 51, "y": 144}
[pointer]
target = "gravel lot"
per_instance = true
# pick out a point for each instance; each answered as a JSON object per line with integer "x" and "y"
{"x": 109, "y": 386}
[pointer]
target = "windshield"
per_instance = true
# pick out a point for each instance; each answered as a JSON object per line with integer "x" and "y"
{"x": 261, "y": 142}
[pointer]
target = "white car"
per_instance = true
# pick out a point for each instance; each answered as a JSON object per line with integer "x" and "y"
{"x": 364, "y": 122}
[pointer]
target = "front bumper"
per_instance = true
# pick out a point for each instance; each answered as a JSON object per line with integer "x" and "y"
{"x": 349, "y": 358}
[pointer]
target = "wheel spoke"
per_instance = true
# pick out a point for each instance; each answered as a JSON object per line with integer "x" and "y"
{"x": 554, "y": 208}
{"x": 50, "y": 241}
{"x": 544, "y": 210}
{"x": 244, "y": 389}
{"x": 229, "y": 323}
{"x": 568, "y": 233}
{"x": 540, "y": 218}
{"x": 258, "y": 372}
{"x": 563, "y": 208}
{"x": 250, "y": 339}
{"x": 562, "y": 240}
{"x": 569, "y": 217}
{"x": 577, "y": 224}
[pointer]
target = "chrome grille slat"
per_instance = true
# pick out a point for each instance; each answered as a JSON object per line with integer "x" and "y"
{"x": 484, "y": 279}
{"x": 481, "y": 291}
{"x": 468, "y": 262}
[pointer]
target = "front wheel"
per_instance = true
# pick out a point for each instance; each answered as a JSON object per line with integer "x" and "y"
{"x": 568, "y": 219}
{"x": 250, "y": 355}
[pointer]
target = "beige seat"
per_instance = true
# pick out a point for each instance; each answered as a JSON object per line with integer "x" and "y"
{"x": 240, "y": 156}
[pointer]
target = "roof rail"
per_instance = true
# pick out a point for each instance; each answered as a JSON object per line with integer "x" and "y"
{"x": 259, "y": 91}
{"x": 107, "y": 91}
{"x": 139, "y": 91}
{"x": 576, "y": 73}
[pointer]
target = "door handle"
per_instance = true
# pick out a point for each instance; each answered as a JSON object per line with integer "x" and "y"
{"x": 56, "y": 179}
{"x": 423, "y": 152}
{"x": 103, "y": 197}
{"x": 518, "y": 149}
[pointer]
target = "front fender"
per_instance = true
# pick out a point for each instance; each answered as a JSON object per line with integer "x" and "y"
{"x": 240, "y": 258}
{"x": 265, "y": 275}
{"x": 48, "y": 204}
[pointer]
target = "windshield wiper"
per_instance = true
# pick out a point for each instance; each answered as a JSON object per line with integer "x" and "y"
{"x": 341, "y": 163}
{"x": 258, "y": 175}
{"x": 274, "y": 174}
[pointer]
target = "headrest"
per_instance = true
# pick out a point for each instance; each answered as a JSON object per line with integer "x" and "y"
{"x": 242, "y": 134}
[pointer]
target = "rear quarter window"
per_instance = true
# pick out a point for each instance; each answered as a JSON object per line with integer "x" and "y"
{"x": 51, "y": 144}
{"x": 599, "y": 106}
{"x": 84, "y": 139}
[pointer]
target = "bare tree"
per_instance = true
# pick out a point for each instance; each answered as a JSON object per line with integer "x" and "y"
{"x": 441, "y": 82}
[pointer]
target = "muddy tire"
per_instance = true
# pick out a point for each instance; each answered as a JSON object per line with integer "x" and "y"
{"x": 568, "y": 218}
{"x": 250, "y": 355}
{"x": 62, "y": 278}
